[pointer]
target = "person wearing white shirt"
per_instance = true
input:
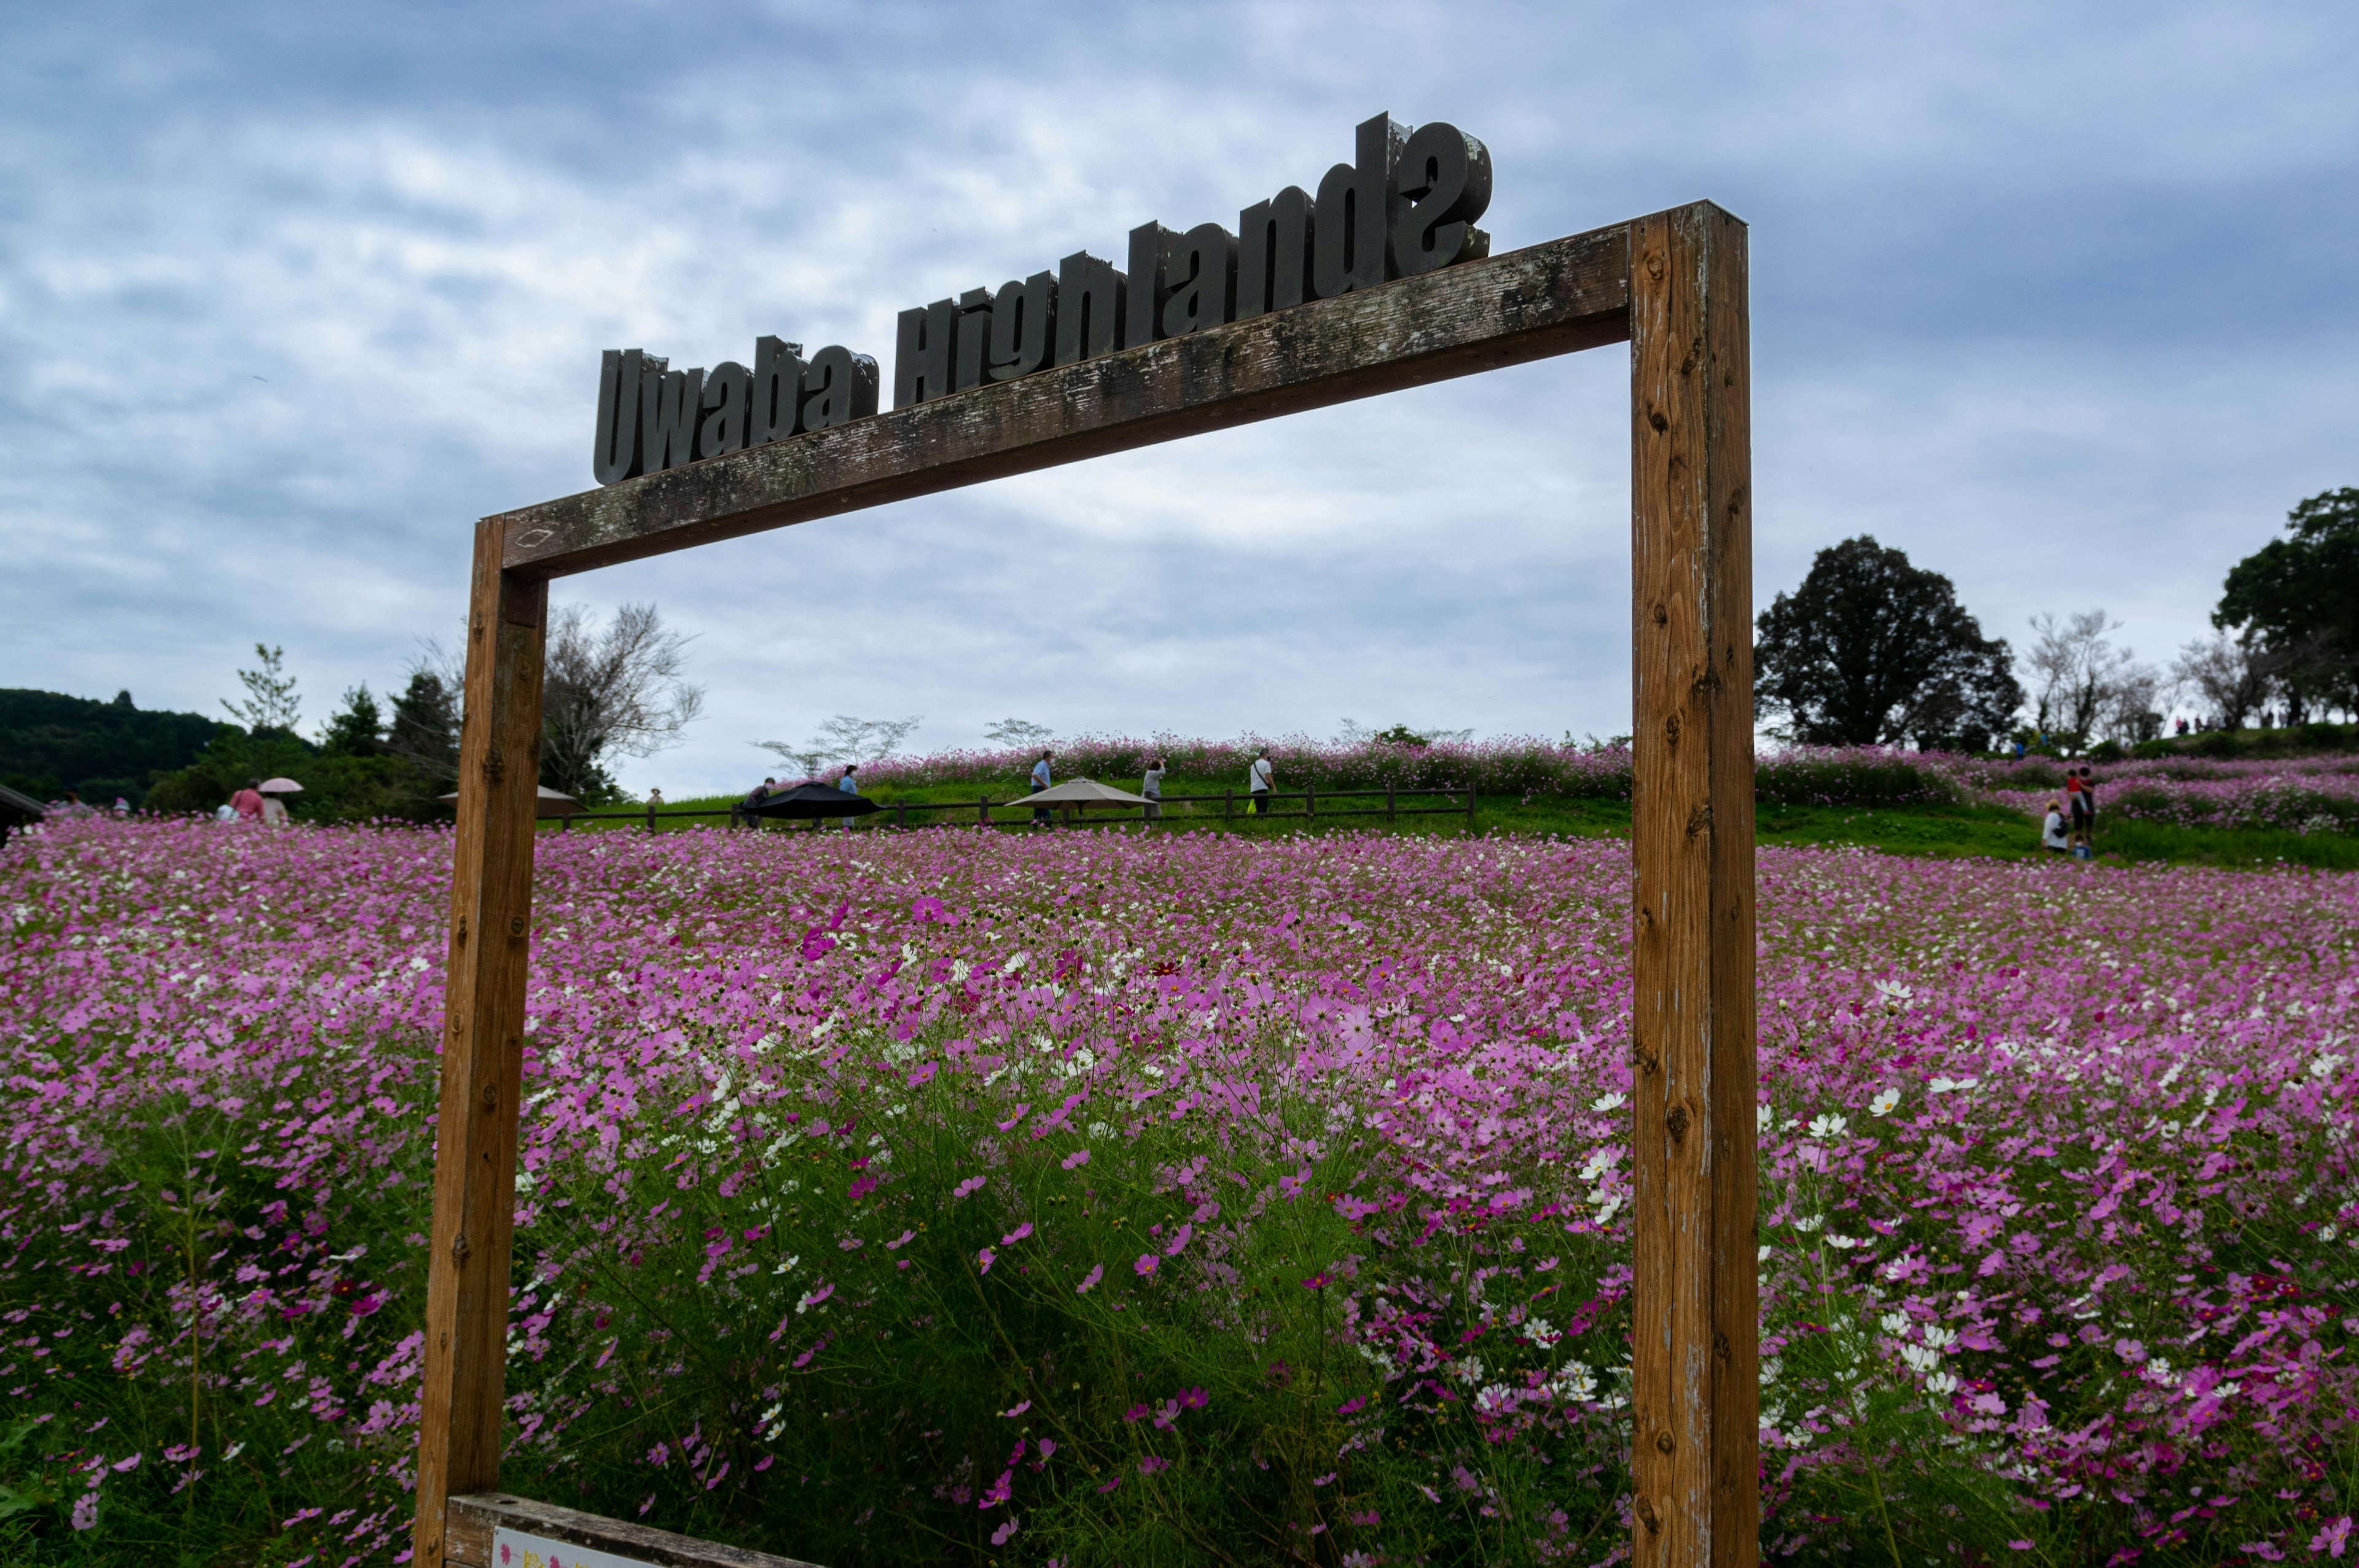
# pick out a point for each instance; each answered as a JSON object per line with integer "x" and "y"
{"x": 850, "y": 784}
{"x": 1151, "y": 786}
{"x": 1261, "y": 778}
{"x": 2053, "y": 833}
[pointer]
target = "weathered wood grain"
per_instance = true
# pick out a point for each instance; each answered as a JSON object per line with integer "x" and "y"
{"x": 483, "y": 1045}
{"x": 1547, "y": 300}
{"x": 1693, "y": 1290}
{"x": 473, "y": 1519}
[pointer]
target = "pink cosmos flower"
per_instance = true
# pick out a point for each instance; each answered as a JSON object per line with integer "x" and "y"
{"x": 2332, "y": 1539}
{"x": 1017, "y": 1235}
{"x": 1097, "y": 1272}
{"x": 1195, "y": 1399}
{"x": 1145, "y": 1264}
{"x": 1078, "y": 1157}
{"x": 1152, "y": 1463}
{"x": 986, "y": 1258}
{"x": 1179, "y": 1239}
{"x": 1018, "y": 1410}
{"x": 970, "y": 1184}
{"x": 1136, "y": 1412}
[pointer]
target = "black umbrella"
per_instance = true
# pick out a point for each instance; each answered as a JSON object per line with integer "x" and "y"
{"x": 812, "y": 800}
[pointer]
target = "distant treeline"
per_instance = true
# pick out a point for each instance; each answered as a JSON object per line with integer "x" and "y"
{"x": 363, "y": 766}
{"x": 50, "y": 742}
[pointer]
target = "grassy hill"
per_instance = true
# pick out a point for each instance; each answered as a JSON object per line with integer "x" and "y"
{"x": 1937, "y": 829}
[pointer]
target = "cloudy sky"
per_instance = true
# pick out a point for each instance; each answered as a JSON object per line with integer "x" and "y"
{"x": 2057, "y": 298}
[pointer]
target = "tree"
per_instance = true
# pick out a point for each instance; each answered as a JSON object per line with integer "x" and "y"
{"x": 270, "y": 701}
{"x": 358, "y": 728}
{"x": 615, "y": 692}
{"x": 2228, "y": 676}
{"x": 2087, "y": 686}
{"x": 1020, "y": 733}
{"x": 844, "y": 739}
{"x": 2298, "y": 599}
{"x": 1870, "y": 651}
{"x": 425, "y": 729}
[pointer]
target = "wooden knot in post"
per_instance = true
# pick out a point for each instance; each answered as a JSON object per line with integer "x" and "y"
{"x": 1661, "y": 614}
{"x": 1647, "y": 1061}
{"x": 1699, "y": 819}
{"x": 1655, "y": 417}
{"x": 1655, "y": 265}
{"x": 1646, "y": 1514}
{"x": 1671, "y": 729}
{"x": 1720, "y": 1345}
{"x": 462, "y": 928}
{"x": 490, "y": 1096}
{"x": 1677, "y": 1122}
{"x": 516, "y": 925}
{"x": 459, "y": 1248}
{"x": 1663, "y": 1443}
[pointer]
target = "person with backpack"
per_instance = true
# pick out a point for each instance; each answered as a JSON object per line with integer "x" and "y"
{"x": 2052, "y": 831}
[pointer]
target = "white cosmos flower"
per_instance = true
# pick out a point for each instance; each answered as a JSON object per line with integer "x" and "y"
{"x": 1883, "y": 1103}
{"x": 1828, "y": 1126}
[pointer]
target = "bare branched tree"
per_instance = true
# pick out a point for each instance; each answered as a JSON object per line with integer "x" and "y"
{"x": 2227, "y": 675}
{"x": 2082, "y": 686}
{"x": 844, "y": 739}
{"x": 1019, "y": 732}
{"x": 616, "y": 691}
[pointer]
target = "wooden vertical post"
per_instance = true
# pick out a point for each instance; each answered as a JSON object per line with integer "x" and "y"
{"x": 1695, "y": 1395}
{"x": 483, "y": 1045}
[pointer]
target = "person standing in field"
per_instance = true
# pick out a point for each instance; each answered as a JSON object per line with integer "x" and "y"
{"x": 2052, "y": 832}
{"x": 850, "y": 784}
{"x": 248, "y": 802}
{"x": 273, "y": 812}
{"x": 1041, "y": 779}
{"x": 2076, "y": 800}
{"x": 1261, "y": 778}
{"x": 1151, "y": 786}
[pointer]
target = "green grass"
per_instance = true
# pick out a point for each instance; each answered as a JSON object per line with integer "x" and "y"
{"x": 1939, "y": 831}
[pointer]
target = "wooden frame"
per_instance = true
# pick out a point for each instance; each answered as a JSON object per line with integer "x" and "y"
{"x": 1673, "y": 285}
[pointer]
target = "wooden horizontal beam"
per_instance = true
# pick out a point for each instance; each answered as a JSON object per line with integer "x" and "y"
{"x": 1547, "y": 299}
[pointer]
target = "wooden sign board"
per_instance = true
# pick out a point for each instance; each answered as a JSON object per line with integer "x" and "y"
{"x": 1672, "y": 285}
{"x": 494, "y": 1531}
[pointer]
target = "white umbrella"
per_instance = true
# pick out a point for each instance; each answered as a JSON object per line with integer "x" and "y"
{"x": 1082, "y": 791}
{"x": 553, "y": 801}
{"x": 279, "y": 786}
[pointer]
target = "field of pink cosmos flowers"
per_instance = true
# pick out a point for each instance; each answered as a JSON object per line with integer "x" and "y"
{"x": 1099, "y": 1198}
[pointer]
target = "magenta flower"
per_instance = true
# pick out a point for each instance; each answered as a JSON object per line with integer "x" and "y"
{"x": 1195, "y": 1399}
{"x": 986, "y": 1258}
{"x": 1017, "y": 1409}
{"x": 1000, "y": 1490}
{"x": 1145, "y": 1264}
{"x": 1179, "y": 1239}
{"x": 970, "y": 1184}
{"x": 1135, "y": 1414}
{"x": 1097, "y": 1271}
{"x": 1078, "y": 1157}
{"x": 1017, "y": 1235}
{"x": 1152, "y": 1463}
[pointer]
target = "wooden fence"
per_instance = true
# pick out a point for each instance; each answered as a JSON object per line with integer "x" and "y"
{"x": 901, "y": 812}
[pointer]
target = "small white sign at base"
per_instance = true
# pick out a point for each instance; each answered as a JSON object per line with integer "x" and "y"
{"x": 515, "y": 1549}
